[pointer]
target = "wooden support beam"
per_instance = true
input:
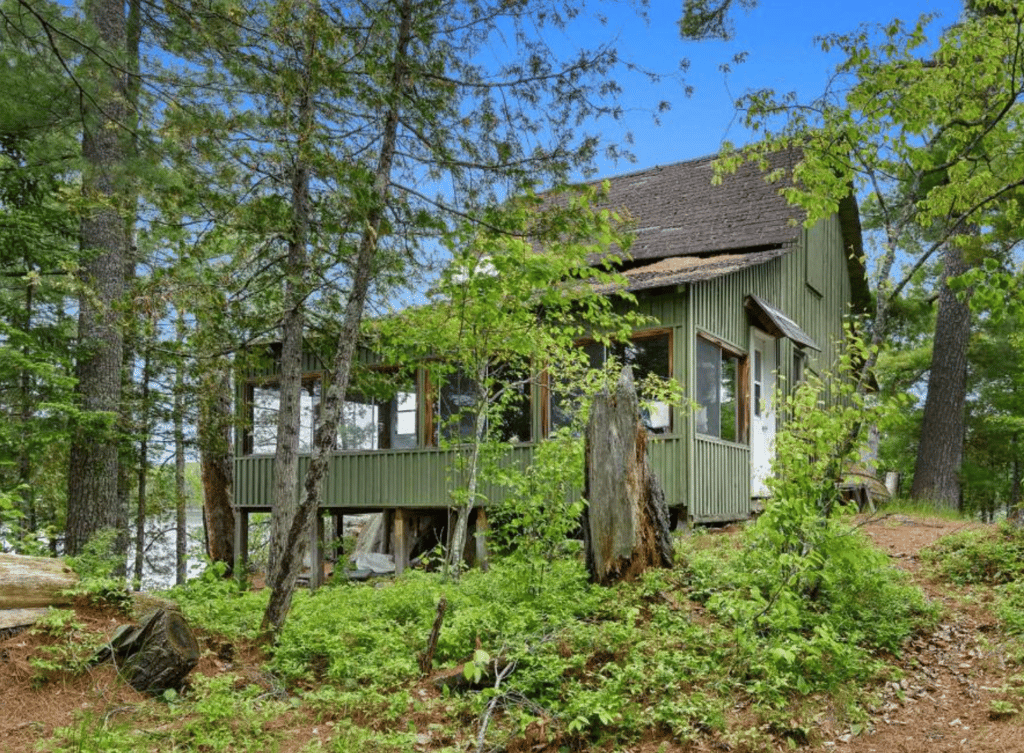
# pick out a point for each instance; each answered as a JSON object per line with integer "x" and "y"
{"x": 401, "y": 545}
{"x": 241, "y": 543}
{"x": 481, "y": 538}
{"x": 316, "y": 552}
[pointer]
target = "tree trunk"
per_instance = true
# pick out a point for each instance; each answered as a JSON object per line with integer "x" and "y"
{"x": 941, "y": 446}
{"x": 626, "y": 523}
{"x": 283, "y": 586}
{"x": 217, "y": 470}
{"x": 180, "y": 494}
{"x": 93, "y": 463}
{"x": 28, "y": 582}
{"x": 286, "y": 459}
{"x": 143, "y": 472}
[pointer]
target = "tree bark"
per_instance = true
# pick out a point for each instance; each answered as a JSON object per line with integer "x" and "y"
{"x": 941, "y": 446}
{"x": 626, "y": 522}
{"x": 156, "y": 655}
{"x": 286, "y": 459}
{"x": 180, "y": 492}
{"x": 215, "y": 421}
{"x": 93, "y": 465}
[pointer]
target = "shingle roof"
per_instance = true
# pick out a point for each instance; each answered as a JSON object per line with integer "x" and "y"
{"x": 678, "y": 211}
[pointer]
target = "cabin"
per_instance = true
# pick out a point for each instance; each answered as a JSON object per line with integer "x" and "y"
{"x": 746, "y": 300}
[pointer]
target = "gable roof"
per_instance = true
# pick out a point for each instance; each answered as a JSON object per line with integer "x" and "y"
{"x": 678, "y": 212}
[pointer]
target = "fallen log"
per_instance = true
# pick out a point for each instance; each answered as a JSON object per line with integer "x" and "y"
{"x": 33, "y": 582}
{"x": 626, "y": 522}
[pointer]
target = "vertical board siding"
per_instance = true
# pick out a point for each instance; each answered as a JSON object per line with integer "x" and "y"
{"x": 722, "y": 480}
{"x": 400, "y": 478}
{"x": 420, "y": 478}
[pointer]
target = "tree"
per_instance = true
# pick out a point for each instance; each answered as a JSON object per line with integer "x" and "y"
{"x": 431, "y": 132}
{"x": 38, "y": 235}
{"x": 935, "y": 144}
{"x": 93, "y": 502}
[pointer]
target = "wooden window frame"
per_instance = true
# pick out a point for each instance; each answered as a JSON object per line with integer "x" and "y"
{"x": 743, "y": 386}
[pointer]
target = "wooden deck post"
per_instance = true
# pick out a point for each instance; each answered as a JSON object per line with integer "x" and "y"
{"x": 481, "y": 538}
{"x": 316, "y": 552}
{"x": 241, "y": 543}
{"x": 401, "y": 546}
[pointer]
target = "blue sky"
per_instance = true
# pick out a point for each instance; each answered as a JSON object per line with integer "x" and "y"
{"x": 779, "y": 38}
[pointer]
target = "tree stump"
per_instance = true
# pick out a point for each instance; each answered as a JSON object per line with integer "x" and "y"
{"x": 156, "y": 655}
{"x": 626, "y": 522}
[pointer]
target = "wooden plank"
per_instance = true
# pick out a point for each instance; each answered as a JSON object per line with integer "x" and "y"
{"x": 401, "y": 547}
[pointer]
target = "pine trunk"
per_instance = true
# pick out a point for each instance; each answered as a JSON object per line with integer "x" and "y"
{"x": 93, "y": 502}
{"x": 31, "y": 582}
{"x": 941, "y": 446}
{"x": 215, "y": 423}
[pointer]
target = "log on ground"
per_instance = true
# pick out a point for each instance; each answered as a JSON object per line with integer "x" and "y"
{"x": 34, "y": 582}
{"x": 626, "y": 523}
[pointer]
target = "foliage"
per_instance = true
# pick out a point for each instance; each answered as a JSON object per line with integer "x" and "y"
{"x": 97, "y": 565}
{"x": 518, "y": 294}
{"x": 219, "y": 604}
{"x": 71, "y": 650}
{"x": 803, "y": 582}
{"x": 989, "y": 556}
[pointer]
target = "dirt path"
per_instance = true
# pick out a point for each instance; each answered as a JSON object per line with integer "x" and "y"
{"x": 943, "y": 703}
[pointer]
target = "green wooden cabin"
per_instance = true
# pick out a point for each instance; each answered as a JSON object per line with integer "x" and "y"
{"x": 745, "y": 298}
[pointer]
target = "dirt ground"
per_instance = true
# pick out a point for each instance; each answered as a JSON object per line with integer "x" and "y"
{"x": 951, "y": 676}
{"x": 943, "y": 702}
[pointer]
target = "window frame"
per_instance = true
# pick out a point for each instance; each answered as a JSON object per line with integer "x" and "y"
{"x": 433, "y": 420}
{"x": 743, "y": 388}
{"x": 250, "y": 386}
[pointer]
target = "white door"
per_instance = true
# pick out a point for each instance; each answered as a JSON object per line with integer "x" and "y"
{"x": 763, "y": 366}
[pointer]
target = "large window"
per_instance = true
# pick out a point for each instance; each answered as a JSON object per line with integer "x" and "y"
{"x": 648, "y": 353}
{"x": 719, "y": 412}
{"x": 366, "y": 423}
{"x": 458, "y": 398}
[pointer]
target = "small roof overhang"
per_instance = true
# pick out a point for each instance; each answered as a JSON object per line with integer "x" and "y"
{"x": 677, "y": 270}
{"x": 776, "y": 323}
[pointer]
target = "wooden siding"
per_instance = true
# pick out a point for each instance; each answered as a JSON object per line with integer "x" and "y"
{"x": 417, "y": 478}
{"x": 721, "y": 480}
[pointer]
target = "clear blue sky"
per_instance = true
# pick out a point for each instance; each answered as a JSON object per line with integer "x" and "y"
{"x": 779, "y": 37}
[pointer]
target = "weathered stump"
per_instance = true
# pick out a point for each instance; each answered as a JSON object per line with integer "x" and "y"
{"x": 156, "y": 655}
{"x": 34, "y": 582}
{"x": 626, "y": 523}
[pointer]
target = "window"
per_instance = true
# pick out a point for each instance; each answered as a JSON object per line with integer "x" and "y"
{"x": 369, "y": 423}
{"x": 719, "y": 413}
{"x": 366, "y": 423}
{"x": 263, "y": 401}
{"x": 647, "y": 354}
{"x": 458, "y": 399}
{"x": 799, "y": 363}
